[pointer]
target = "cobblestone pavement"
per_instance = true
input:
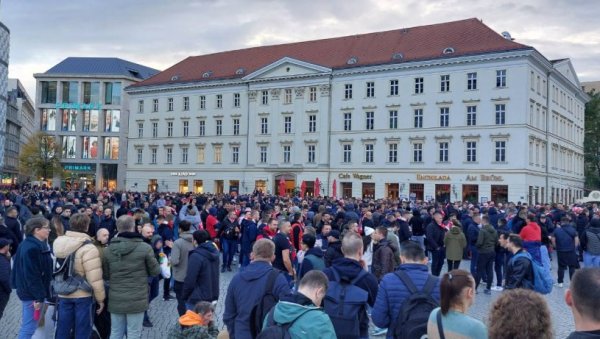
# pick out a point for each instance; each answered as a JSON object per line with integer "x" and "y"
{"x": 164, "y": 314}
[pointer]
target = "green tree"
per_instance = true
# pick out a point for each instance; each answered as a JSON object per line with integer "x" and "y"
{"x": 40, "y": 157}
{"x": 591, "y": 143}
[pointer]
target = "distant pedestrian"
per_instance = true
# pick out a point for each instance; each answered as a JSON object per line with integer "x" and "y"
{"x": 5, "y": 288}
{"x": 565, "y": 240}
{"x": 455, "y": 242}
{"x": 179, "y": 262}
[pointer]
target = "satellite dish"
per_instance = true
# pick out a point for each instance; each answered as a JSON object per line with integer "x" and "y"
{"x": 507, "y": 36}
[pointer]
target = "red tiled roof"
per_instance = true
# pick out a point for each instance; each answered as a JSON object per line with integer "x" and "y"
{"x": 467, "y": 37}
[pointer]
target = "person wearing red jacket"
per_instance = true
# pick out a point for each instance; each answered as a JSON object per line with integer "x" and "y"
{"x": 269, "y": 231}
{"x": 211, "y": 222}
{"x": 532, "y": 238}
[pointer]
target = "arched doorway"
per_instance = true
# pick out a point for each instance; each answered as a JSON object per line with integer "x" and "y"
{"x": 290, "y": 183}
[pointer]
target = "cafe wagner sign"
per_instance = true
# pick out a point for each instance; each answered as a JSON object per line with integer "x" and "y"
{"x": 358, "y": 176}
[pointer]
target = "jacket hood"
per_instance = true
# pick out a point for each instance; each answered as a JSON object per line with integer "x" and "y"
{"x": 291, "y": 307}
{"x": 187, "y": 236}
{"x": 125, "y": 243}
{"x": 595, "y": 223}
{"x": 255, "y": 271}
{"x": 69, "y": 243}
{"x": 348, "y": 268}
{"x": 455, "y": 230}
{"x": 208, "y": 250}
{"x": 190, "y": 318}
{"x": 316, "y": 251}
{"x": 492, "y": 211}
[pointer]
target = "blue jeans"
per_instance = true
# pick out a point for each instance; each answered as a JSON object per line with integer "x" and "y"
{"x": 500, "y": 266}
{"x": 74, "y": 314}
{"x": 590, "y": 260}
{"x": 437, "y": 261}
{"x": 28, "y": 325}
{"x": 131, "y": 322}
{"x": 474, "y": 258}
{"x": 228, "y": 251}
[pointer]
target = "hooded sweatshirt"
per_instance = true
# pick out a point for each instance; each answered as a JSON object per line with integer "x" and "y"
{"x": 179, "y": 255}
{"x": 487, "y": 239}
{"x": 455, "y": 241}
{"x": 202, "y": 279}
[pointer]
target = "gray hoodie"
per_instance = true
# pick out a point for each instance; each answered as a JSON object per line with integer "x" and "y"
{"x": 179, "y": 255}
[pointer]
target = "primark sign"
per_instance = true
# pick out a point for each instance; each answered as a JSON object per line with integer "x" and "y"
{"x": 77, "y": 105}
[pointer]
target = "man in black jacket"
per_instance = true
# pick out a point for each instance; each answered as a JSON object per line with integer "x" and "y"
{"x": 519, "y": 272}
{"x": 202, "y": 276}
{"x": 435, "y": 233}
{"x": 5, "y": 289}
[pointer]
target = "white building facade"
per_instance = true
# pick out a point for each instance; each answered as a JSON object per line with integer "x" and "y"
{"x": 501, "y": 125}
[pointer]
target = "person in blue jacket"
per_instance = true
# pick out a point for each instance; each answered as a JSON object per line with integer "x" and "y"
{"x": 32, "y": 273}
{"x": 392, "y": 291}
{"x": 249, "y": 230}
{"x": 247, "y": 288}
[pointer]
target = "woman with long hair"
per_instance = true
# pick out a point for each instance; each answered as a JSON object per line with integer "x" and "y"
{"x": 450, "y": 320}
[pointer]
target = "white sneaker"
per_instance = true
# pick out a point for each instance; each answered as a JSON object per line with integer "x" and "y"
{"x": 559, "y": 285}
{"x": 497, "y": 288}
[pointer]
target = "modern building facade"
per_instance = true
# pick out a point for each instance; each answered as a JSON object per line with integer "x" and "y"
{"x": 20, "y": 126}
{"x": 452, "y": 111}
{"x": 80, "y": 102}
{"x": 4, "y": 54}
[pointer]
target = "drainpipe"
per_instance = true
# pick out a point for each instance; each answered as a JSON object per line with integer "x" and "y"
{"x": 247, "y": 132}
{"x": 548, "y": 112}
{"x": 329, "y": 113}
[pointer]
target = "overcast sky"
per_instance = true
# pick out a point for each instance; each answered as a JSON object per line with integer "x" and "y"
{"x": 160, "y": 33}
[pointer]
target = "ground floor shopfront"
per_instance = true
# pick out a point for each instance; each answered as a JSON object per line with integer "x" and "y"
{"x": 90, "y": 176}
{"x": 443, "y": 187}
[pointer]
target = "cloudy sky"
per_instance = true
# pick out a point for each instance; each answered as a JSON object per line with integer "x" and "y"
{"x": 159, "y": 33}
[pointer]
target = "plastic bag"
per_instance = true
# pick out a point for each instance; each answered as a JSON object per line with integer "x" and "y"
{"x": 165, "y": 266}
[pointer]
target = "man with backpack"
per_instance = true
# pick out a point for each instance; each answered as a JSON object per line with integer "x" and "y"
{"x": 78, "y": 261}
{"x": 351, "y": 289}
{"x": 299, "y": 315}
{"x": 519, "y": 272}
{"x": 253, "y": 292}
{"x": 407, "y": 296}
{"x": 565, "y": 240}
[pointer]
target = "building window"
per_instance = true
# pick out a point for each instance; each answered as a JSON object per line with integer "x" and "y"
{"x": 347, "y": 121}
{"x": 140, "y": 106}
{"x": 112, "y": 93}
{"x": 202, "y": 128}
{"x": 369, "y": 153}
{"x": 186, "y": 128}
{"x": 312, "y": 94}
{"x": 347, "y": 153}
{"x": 263, "y": 154}
{"x": 393, "y": 153}
{"x": 472, "y": 81}
{"x": 202, "y": 102}
{"x": 445, "y": 83}
{"x": 444, "y": 116}
{"x": 311, "y": 154}
{"x": 471, "y": 151}
{"x": 418, "y": 85}
{"x": 70, "y": 91}
{"x": 500, "y": 114}
{"x": 219, "y": 126}
{"x": 91, "y": 92}
{"x": 48, "y": 92}
{"x": 348, "y": 91}
{"x": 418, "y": 152}
{"x": 264, "y": 125}
{"x": 394, "y": 87}
{"x": 235, "y": 154}
{"x": 153, "y": 153}
{"x": 500, "y": 151}
{"x": 501, "y": 78}
{"x": 418, "y": 113}
{"x": 265, "y": 97}
{"x": 184, "y": 155}
{"x": 169, "y": 155}
{"x": 169, "y": 128}
{"x": 370, "y": 89}
{"x": 287, "y": 124}
{"x": 140, "y": 155}
{"x": 443, "y": 152}
{"x": 236, "y": 99}
{"x": 287, "y": 98}
{"x": 218, "y": 153}
{"x": 287, "y": 150}
{"x": 200, "y": 154}
{"x": 370, "y": 120}
{"x": 186, "y": 103}
{"x": 471, "y": 115}
{"x": 219, "y": 100}
{"x": 312, "y": 123}
{"x": 154, "y": 105}
{"x": 393, "y": 119}
{"x": 236, "y": 126}
{"x": 155, "y": 129}
{"x": 140, "y": 129}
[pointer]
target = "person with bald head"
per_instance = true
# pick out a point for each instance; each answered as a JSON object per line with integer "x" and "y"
{"x": 101, "y": 239}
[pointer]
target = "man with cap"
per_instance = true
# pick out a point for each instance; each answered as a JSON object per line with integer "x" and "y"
{"x": 5, "y": 288}
{"x": 334, "y": 248}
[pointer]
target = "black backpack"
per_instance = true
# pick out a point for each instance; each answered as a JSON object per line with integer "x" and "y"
{"x": 264, "y": 305}
{"x": 343, "y": 302}
{"x": 415, "y": 310}
{"x": 275, "y": 330}
{"x": 64, "y": 279}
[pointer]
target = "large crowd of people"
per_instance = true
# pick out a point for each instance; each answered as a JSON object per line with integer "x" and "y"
{"x": 88, "y": 265}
